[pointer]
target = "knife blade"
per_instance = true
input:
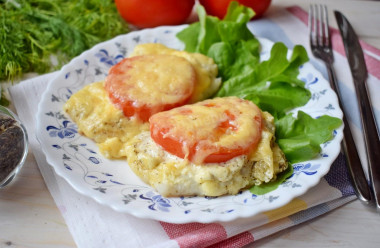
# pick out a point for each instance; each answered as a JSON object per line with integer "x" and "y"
{"x": 359, "y": 73}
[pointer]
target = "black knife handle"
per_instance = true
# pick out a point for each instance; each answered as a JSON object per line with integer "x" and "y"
{"x": 354, "y": 165}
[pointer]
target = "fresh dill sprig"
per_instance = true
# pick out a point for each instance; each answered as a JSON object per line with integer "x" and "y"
{"x": 31, "y": 31}
{"x": 3, "y": 100}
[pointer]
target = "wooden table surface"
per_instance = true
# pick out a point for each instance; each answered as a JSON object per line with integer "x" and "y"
{"x": 30, "y": 218}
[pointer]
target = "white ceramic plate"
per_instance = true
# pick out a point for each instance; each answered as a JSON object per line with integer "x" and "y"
{"x": 112, "y": 183}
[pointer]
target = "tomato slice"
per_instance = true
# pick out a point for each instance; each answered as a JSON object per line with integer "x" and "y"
{"x": 144, "y": 85}
{"x": 212, "y": 131}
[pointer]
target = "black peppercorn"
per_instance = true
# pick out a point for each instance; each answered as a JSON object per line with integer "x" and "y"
{"x": 11, "y": 145}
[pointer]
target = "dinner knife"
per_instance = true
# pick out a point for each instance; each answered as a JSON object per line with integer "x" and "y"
{"x": 359, "y": 73}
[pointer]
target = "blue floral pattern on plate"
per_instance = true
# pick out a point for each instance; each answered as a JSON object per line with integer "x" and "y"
{"x": 112, "y": 183}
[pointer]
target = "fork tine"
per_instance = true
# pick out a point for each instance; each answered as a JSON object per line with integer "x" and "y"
{"x": 312, "y": 25}
{"x": 309, "y": 23}
{"x": 320, "y": 30}
{"x": 319, "y": 25}
{"x": 326, "y": 26}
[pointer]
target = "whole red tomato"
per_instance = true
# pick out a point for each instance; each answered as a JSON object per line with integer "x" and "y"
{"x": 219, "y": 7}
{"x": 153, "y": 13}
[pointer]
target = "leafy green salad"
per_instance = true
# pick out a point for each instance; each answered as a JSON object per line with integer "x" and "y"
{"x": 271, "y": 84}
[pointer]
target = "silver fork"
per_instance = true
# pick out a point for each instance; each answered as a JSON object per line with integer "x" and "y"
{"x": 320, "y": 43}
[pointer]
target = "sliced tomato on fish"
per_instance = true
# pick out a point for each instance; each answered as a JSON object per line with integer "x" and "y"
{"x": 144, "y": 85}
{"x": 212, "y": 131}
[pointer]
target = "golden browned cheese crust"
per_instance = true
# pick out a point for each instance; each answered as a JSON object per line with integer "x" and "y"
{"x": 98, "y": 119}
{"x": 205, "y": 68}
{"x": 172, "y": 176}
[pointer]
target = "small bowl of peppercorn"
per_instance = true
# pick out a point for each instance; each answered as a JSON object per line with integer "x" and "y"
{"x": 13, "y": 146}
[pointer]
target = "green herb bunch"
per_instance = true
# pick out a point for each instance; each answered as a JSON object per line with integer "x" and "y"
{"x": 31, "y": 31}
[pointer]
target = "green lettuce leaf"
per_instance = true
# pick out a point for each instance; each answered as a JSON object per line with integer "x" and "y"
{"x": 300, "y": 137}
{"x": 231, "y": 58}
{"x": 268, "y": 187}
{"x": 272, "y": 84}
{"x": 200, "y": 36}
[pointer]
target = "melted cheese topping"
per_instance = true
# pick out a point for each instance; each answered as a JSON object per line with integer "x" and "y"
{"x": 153, "y": 79}
{"x": 199, "y": 124}
{"x": 205, "y": 68}
{"x": 173, "y": 176}
{"x": 98, "y": 119}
